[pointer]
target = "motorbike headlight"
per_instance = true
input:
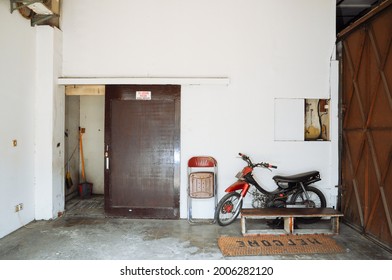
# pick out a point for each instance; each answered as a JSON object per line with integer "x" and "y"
{"x": 239, "y": 175}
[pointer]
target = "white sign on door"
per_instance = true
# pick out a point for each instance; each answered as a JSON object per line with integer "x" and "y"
{"x": 143, "y": 95}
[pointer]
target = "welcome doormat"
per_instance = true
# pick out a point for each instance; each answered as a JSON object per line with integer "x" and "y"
{"x": 278, "y": 245}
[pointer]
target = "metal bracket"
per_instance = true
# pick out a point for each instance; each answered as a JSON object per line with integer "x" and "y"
{"x": 36, "y": 19}
{"x": 24, "y": 3}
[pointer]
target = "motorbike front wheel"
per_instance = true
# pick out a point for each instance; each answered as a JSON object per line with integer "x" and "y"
{"x": 316, "y": 200}
{"x": 224, "y": 213}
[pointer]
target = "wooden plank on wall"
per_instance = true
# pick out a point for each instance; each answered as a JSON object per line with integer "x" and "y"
{"x": 85, "y": 90}
{"x": 224, "y": 81}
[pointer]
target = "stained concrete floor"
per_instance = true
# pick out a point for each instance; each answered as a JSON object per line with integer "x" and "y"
{"x": 84, "y": 233}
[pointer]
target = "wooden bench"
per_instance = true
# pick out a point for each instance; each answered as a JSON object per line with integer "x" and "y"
{"x": 288, "y": 215}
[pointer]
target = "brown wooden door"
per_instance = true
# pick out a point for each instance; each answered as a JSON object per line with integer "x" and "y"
{"x": 367, "y": 127}
{"x": 142, "y": 141}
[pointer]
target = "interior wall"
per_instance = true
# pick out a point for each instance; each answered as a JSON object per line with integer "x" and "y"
{"x": 72, "y": 124}
{"x": 49, "y": 125}
{"x": 92, "y": 113}
{"x": 17, "y": 84}
{"x": 58, "y": 150}
{"x": 268, "y": 50}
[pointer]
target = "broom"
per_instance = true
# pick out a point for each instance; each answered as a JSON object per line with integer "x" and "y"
{"x": 68, "y": 178}
{"x": 85, "y": 188}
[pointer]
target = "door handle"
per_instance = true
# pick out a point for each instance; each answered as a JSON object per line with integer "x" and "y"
{"x": 107, "y": 158}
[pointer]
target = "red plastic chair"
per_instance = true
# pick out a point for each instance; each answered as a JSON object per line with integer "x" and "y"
{"x": 202, "y": 182}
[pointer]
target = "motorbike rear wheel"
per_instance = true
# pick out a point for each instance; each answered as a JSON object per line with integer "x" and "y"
{"x": 224, "y": 213}
{"x": 316, "y": 200}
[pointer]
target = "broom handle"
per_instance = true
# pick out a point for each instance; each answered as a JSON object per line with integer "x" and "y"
{"x": 82, "y": 157}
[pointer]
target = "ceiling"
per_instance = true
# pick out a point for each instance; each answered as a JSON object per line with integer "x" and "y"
{"x": 347, "y": 11}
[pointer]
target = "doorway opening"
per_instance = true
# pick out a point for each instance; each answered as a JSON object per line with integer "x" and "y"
{"x": 139, "y": 135}
{"x": 84, "y": 113}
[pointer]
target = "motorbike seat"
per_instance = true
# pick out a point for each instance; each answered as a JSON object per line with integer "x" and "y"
{"x": 302, "y": 177}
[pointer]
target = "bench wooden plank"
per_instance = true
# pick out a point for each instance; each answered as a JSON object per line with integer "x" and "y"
{"x": 289, "y": 215}
{"x": 291, "y": 212}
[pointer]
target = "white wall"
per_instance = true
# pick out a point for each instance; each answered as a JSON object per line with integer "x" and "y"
{"x": 72, "y": 124}
{"x": 268, "y": 49}
{"x": 32, "y": 113}
{"x": 17, "y": 83}
{"x": 49, "y": 125}
{"x": 58, "y": 116}
{"x": 92, "y": 113}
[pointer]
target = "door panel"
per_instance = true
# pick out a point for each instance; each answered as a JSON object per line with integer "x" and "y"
{"x": 367, "y": 127}
{"x": 142, "y": 139}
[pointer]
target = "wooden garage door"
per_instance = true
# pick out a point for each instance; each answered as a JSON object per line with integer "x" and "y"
{"x": 367, "y": 125}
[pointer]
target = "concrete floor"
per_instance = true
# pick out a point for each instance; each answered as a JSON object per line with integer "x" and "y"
{"x": 84, "y": 233}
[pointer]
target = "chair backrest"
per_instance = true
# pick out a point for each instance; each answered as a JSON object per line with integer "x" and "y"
{"x": 202, "y": 161}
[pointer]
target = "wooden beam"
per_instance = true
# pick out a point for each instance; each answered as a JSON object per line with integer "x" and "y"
{"x": 85, "y": 90}
{"x": 345, "y": 32}
{"x": 194, "y": 81}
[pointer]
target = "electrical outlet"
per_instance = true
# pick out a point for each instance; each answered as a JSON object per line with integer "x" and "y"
{"x": 19, "y": 207}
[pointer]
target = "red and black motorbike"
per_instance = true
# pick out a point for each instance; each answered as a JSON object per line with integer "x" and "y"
{"x": 292, "y": 191}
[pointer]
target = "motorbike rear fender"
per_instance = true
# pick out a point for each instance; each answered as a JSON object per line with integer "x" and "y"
{"x": 239, "y": 185}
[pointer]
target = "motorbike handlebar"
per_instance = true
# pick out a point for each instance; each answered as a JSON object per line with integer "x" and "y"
{"x": 263, "y": 164}
{"x": 242, "y": 155}
{"x": 266, "y": 165}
